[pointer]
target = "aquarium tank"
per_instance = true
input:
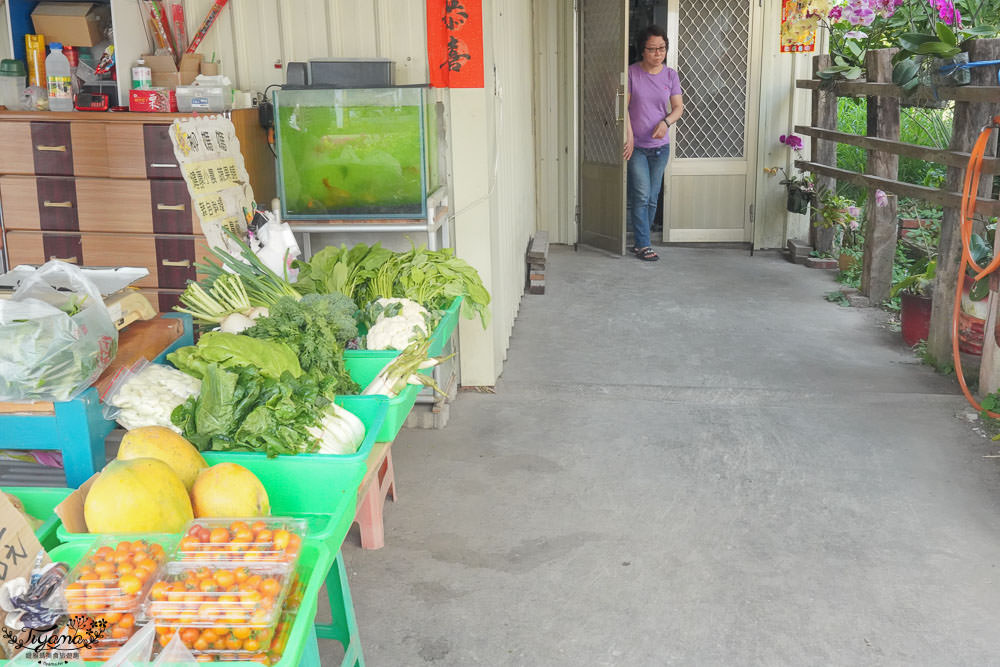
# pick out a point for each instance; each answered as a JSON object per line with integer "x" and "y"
{"x": 356, "y": 152}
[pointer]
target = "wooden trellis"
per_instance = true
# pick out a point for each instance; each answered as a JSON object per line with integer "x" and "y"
{"x": 975, "y": 105}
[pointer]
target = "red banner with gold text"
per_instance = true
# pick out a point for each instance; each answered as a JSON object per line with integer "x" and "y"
{"x": 455, "y": 43}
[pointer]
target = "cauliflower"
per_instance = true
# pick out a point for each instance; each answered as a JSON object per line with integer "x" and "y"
{"x": 408, "y": 322}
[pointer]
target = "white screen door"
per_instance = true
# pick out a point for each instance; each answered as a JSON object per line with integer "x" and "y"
{"x": 603, "y": 53}
{"x": 711, "y": 178}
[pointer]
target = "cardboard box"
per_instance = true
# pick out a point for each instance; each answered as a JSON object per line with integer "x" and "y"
{"x": 72, "y": 23}
{"x": 70, "y": 510}
{"x": 152, "y": 100}
{"x": 166, "y": 74}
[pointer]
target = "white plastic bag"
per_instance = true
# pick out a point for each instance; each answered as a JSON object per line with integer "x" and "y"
{"x": 175, "y": 653}
{"x": 137, "y": 650}
{"x": 278, "y": 247}
{"x": 146, "y": 394}
{"x": 56, "y": 336}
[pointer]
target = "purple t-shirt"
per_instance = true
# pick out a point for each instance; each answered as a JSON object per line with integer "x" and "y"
{"x": 650, "y": 102}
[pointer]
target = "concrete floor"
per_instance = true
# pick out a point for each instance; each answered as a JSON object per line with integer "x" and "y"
{"x": 697, "y": 461}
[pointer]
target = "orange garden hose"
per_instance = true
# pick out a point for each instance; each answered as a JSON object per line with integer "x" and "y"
{"x": 969, "y": 192}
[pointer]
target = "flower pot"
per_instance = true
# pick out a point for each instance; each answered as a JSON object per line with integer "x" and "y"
{"x": 846, "y": 262}
{"x": 797, "y": 201}
{"x": 915, "y": 317}
{"x": 971, "y": 321}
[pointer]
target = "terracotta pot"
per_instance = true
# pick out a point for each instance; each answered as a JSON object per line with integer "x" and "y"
{"x": 915, "y": 317}
{"x": 846, "y": 262}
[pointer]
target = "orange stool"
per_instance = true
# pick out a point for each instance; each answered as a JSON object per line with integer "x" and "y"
{"x": 379, "y": 482}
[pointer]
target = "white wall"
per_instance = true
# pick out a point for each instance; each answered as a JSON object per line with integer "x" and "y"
{"x": 494, "y": 158}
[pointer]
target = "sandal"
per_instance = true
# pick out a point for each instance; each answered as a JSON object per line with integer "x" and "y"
{"x": 646, "y": 254}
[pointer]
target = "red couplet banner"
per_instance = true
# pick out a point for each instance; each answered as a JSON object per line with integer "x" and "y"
{"x": 455, "y": 43}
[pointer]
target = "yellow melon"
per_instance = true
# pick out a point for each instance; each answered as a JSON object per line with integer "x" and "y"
{"x": 229, "y": 490}
{"x": 137, "y": 496}
{"x": 159, "y": 442}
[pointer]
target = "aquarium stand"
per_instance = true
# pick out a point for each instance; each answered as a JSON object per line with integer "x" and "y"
{"x": 436, "y": 219}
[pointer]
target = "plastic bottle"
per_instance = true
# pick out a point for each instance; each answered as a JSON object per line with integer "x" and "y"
{"x": 73, "y": 56}
{"x": 34, "y": 46}
{"x": 57, "y": 74}
{"x": 142, "y": 76}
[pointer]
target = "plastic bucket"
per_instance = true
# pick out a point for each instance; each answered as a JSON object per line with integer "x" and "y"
{"x": 915, "y": 317}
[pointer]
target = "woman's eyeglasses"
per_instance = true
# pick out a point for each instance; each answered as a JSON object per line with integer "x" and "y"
{"x": 657, "y": 49}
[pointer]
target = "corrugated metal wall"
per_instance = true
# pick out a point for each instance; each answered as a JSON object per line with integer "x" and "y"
{"x": 513, "y": 203}
{"x": 251, "y": 37}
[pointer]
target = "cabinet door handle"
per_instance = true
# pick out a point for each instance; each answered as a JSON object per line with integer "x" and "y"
{"x": 71, "y": 260}
{"x": 58, "y": 149}
{"x": 170, "y": 207}
{"x": 186, "y": 263}
{"x": 58, "y": 204}
{"x": 163, "y": 165}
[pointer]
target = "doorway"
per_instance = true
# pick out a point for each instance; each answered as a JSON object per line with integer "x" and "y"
{"x": 709, "y": 185}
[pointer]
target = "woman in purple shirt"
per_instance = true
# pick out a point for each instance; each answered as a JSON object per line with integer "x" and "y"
{"x": 655, "y": 103}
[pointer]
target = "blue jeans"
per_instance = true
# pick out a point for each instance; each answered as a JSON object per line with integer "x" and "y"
{"x": 645, "y": 176}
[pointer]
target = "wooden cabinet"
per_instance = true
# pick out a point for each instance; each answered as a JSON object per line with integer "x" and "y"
{"x": 106, "y": 190}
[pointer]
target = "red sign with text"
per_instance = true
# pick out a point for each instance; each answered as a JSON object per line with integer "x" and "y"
{"x": 455, "y": 43}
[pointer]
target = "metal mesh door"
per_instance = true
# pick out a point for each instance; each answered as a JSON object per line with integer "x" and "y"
{"x": 600, "y": 29}
{"x": 713, "y": 58}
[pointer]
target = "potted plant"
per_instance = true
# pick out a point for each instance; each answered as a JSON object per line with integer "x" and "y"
{"x": 914, "y": 293}
{"x": 800, "y": 191}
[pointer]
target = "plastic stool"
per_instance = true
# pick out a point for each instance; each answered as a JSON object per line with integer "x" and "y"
{"x": 344, "y": 627}
{"x": 379, "y": 482}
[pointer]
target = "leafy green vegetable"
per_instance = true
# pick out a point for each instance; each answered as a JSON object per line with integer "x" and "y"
{"x": 272, "y": 357}
{"x": 432, "y": 278}
{"x": 316, "y": 327}
{"x": 243, "y": 409}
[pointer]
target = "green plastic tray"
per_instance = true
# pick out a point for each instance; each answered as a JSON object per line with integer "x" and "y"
{"x": 40, "y": 502}
{"x": 445, "y": 327}
{"x": 313, "y": 566}
{"x": 317, "y": 488}
{"x": 363, "y": 370}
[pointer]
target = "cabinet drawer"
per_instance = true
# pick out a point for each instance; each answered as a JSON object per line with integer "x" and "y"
{"x": 16, "y": 156}
{"x": 108, "y": 205}
{"x": 43, "y": 203}
{"x": 142, "y": 151}
{"x": 171, "y": 208}
{"x": 52, "y": 148}
{"x": 24, "y": 247}
{"x": 90, "y": 149}
{"x": 19, "y": 198}
{"x": 122, "y": 250}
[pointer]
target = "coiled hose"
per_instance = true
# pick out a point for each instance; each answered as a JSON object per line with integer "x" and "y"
{"x": 969, "y": 190}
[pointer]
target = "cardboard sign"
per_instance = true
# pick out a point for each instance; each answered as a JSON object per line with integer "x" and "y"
{"x": 208, "y": 152}
{"x": 18, "y": 550}
{"x": 455, "y": 43}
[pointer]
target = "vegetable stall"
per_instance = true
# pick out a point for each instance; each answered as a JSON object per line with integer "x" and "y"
{"x": 210, "y": 535}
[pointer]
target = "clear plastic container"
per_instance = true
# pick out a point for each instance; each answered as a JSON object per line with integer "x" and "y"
{"x": 59, "y": 78}
{"x": 13, "y": 81}
{"x": 204, "y": 98}
{"x": 218, "y": 595}
{"x": 115, "y": 574}
{"x": 235, "y": 645}
{"x": 244, "y": 541}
